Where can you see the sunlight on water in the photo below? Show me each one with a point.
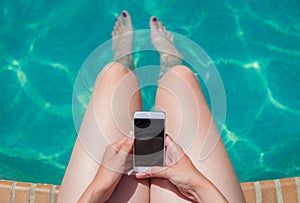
(254, 45)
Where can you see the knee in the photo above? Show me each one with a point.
(113, 71)
(181, 71)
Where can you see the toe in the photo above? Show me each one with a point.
(153, 22)
(116, 23)
(115, 27)
(127, 18)
(170, 36)
(120, 22)
(160, 26)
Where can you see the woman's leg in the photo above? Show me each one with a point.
(108, 118)
(189, 120)
(101, 126)
(190, 123)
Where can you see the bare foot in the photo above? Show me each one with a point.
(122, 39)
(163, 42)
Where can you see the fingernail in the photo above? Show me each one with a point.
(130, 172)
(154, 19)
(124, 14)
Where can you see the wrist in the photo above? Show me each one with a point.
(94, 193)
(102, 188)
(205, 191)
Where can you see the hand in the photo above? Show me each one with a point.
(110, 171)
(181, 172)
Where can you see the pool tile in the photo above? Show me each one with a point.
(56, 191)
(21, 192)
(42, 193)
(289, 190)
(5, 191)
(268, 191)
(249, 191)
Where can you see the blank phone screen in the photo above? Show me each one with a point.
(149, 142)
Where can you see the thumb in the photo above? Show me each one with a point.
(124, 151)
(153, 172)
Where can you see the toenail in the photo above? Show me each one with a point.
(154, 19)
(124, 14)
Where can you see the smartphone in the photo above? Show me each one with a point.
(149, 140)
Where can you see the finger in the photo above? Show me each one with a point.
(123, 153)
(169, 140)
(128, 166)
(171, 144)
(174, 152)
(154, 172)
(131, 135)
(109, 153)
(129, 158)
(127, 146)
(118, 145)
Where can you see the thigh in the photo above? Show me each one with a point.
(107, 119)
(190, 123)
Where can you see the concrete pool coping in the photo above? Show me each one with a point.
(279, 190)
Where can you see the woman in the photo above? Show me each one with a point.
(186, 177)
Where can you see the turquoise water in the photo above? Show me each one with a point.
(254, 45)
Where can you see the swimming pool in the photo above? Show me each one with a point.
(254, 45)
